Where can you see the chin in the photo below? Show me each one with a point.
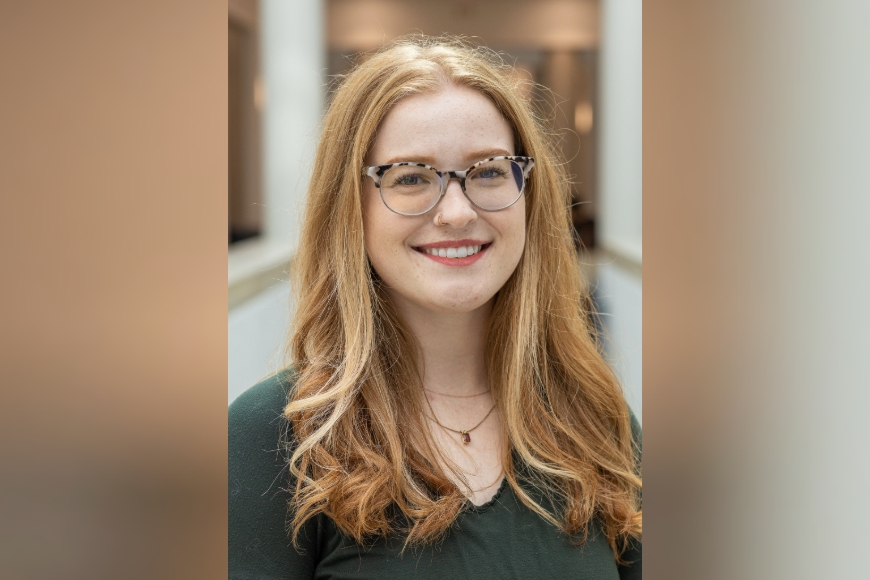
(448, 303)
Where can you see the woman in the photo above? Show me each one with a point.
(448, 413)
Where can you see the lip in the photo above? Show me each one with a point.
(455, 262)
(453, 244)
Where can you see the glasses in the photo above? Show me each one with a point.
(412, 189)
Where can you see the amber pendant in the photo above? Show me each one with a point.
(466, 438)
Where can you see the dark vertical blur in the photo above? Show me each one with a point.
(113, 373)
(243, 121)
(756, 284)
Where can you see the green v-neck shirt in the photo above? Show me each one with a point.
(499, 540)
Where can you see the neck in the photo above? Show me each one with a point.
(452, 345)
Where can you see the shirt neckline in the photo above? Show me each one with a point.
(486, 506)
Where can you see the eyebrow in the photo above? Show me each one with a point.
(478, 155)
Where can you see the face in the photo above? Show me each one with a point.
(450, 129)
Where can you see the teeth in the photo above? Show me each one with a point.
(458, 252)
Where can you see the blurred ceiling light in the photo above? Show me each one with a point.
(583, 117)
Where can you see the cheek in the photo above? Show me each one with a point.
(373, 227)
(384, 235)
(368, 196)
(515, 233)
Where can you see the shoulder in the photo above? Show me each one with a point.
(258, 485)
(256, 420)
(636, 442)
(264, 401)
(636, 433)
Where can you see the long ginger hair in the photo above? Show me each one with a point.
(360, 453)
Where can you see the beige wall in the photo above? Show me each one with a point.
(354, 25)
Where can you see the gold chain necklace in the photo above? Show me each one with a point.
(497, 480)
(463, 433)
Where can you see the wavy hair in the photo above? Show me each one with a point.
(360, 453)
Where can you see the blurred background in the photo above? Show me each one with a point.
(114, 343)
(584, 55)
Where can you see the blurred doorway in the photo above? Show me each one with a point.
(243, 122)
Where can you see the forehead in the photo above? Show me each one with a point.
(446, 126)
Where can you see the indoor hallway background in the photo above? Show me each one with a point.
(283, 57)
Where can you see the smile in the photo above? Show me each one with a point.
(457, 252)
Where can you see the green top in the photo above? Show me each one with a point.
(500, 539)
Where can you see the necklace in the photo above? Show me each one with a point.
(463, 433)
(497, 480)
(456, 396)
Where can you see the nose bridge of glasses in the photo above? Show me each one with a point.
(448, 176)
(448, 204)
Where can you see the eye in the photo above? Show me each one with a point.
(489, 172)
(409, 180)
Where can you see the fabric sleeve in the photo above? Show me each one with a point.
(633, 570)
(259, 545)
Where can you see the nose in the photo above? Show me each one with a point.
(455, 209)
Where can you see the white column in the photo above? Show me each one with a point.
(294, 69)
(293, 53)
(620, 128)
(619, 217)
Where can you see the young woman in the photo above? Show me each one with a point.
(447, 413)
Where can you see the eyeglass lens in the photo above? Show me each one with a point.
(413, 190)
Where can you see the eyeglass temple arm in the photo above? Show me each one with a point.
(528, 164)
(373, 173)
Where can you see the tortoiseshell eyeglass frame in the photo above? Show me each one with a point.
(376, 172)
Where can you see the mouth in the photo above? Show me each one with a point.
(455, 253)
